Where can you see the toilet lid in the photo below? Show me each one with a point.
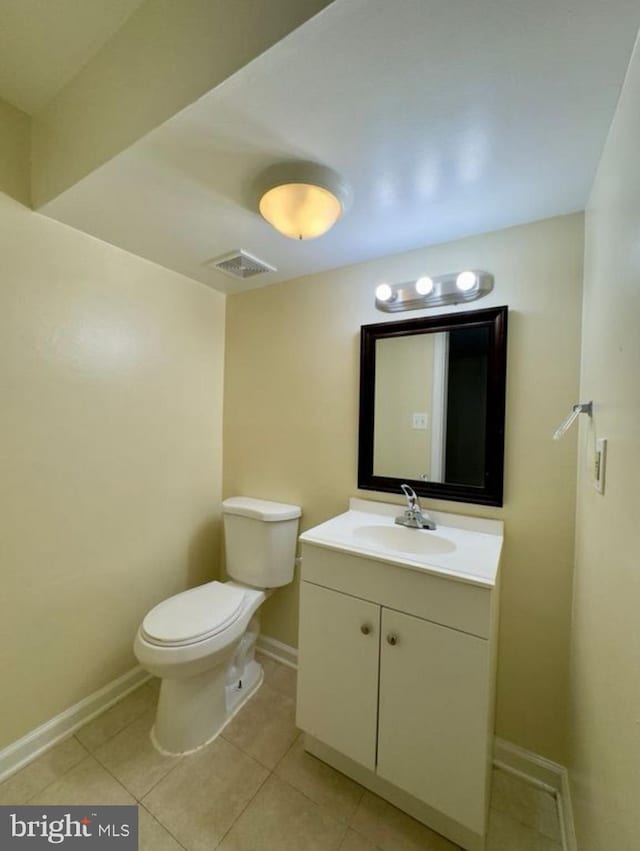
(194, 615)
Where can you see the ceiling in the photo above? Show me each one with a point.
(448, 118)
(43, 43)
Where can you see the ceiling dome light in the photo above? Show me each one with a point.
(424, 285)
(301, 200)
(384, 292)
(466, 281)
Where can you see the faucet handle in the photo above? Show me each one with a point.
(413, 516)
(411, 496)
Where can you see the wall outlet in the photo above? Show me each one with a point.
(420, 421)
(600, 464)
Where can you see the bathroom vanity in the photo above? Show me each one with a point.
(397, 652)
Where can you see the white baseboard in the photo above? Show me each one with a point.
(277, 650)
(565, 809)
(544, 774)
(535, 769)
(35, 743)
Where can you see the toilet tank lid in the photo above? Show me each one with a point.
(260, 509)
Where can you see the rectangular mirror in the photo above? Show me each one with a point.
(432, 400)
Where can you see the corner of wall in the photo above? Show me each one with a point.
(15, 153)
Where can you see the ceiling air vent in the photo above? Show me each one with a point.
(240, 264)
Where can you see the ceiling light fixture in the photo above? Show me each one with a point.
(301, 200)
(454, 288)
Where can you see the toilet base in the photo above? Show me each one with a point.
(190, 715)
(238, 693)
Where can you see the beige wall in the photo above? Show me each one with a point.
(605, 665)
(166, 56)
(15, 163)
(110, 452)
(404, 383)
(290, 433)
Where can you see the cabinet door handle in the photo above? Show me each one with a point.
(392, 639)
(365, 629)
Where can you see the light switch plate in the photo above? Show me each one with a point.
(600, 464)
(420, 421)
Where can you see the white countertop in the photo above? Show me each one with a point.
(476, 543)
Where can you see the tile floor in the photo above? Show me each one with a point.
(254, 788)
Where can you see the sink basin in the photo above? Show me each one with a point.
(404, 540)
(461, 548)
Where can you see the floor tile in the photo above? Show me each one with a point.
(225, 797)
(392, 830)
(133, 760)
(280, 677)
(282, 819)
(507, 834)
(265, 727)
(36, 776)
(152, 835)
(105, 726)
(87, 783)
(355, 842)
(525, 803)
(204, 794)
(338, 794)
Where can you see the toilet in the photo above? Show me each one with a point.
(201, 642)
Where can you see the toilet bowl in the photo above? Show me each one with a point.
(201, 642)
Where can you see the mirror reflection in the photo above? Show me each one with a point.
(431, 406)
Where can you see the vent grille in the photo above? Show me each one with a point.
(240, 264)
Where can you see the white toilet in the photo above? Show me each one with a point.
(201, 642)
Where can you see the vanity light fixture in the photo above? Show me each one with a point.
(466, 281)
(453, 288)
(384, 292)
(301, 200)
(424, 285)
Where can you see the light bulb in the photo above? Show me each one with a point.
(424, 285)
(383, 292)
(466, 281)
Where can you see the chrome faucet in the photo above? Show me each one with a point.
(413, 515)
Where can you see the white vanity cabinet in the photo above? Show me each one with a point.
(433, 715)
(396, 683)
(338, 682)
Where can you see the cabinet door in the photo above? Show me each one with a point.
(434, 716)
(338, 671)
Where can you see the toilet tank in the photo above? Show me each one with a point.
(260, 540)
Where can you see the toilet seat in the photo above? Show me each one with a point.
(194, 615)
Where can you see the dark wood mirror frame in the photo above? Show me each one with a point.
(495, 319)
